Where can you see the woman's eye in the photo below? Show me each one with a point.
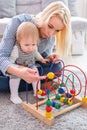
(57, 30)
(50, 26)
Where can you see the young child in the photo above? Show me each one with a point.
(24, 54)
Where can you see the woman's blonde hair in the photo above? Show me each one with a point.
(25, 30)
(63, 38)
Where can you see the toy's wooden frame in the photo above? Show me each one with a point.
(40, 114)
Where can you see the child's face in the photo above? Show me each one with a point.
(28, 45)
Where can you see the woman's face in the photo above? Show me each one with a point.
(54, 25)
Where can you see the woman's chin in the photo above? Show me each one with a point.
(44, 36)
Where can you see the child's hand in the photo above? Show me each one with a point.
(44, 61)
(53, 58)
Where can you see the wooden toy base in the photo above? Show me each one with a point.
(40, 114)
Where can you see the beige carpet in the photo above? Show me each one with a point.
(13, 117)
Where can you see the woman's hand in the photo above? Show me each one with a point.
(53, 57)
(27, 74)
(30, 75)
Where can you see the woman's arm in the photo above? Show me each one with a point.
(27, 74)
(7, 44)
(9, 40)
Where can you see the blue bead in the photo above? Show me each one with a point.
(47, 91)
(61, 90)
(53, 103)
(68, 95)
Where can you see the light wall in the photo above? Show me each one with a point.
(82, 8)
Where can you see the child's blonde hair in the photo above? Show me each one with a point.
(25, 30)
(63, 38)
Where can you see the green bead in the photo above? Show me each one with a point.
(55, 85)
(62, 85)
(58, 96)
(49, 102)
(57, 105)
(65, 100)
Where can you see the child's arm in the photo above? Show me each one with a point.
(40, 58)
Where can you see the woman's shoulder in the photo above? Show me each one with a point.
(23, 17)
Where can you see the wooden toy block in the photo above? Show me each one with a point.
(66, 97)
(41, 114)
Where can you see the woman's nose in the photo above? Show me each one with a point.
(51, 33)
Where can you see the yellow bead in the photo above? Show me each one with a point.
(69, 102)
(62, 99)
(84, 99)
(50, 75)
(39, 92)
(48, 114)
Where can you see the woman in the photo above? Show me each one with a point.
(54, 20)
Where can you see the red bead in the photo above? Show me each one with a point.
(43, 93)
(48, 108)
(73, 91)
(48, 87)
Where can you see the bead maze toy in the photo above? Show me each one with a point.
(62, 94)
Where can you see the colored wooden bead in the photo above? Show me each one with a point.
(48, 108)
(49, 102)
(53, 103)
(61, 90)
(43, 93)
(57, 105)
(73, 91)
(50, 75)
(69, 101)
(58, 96)
(62, 99)
(47, 91)
(84, 99)
(48, 87)
(52, 88)
(39, 92)
(48, 114)
(68, 95)
(56, 85)
(62, 85)
(65, 100)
